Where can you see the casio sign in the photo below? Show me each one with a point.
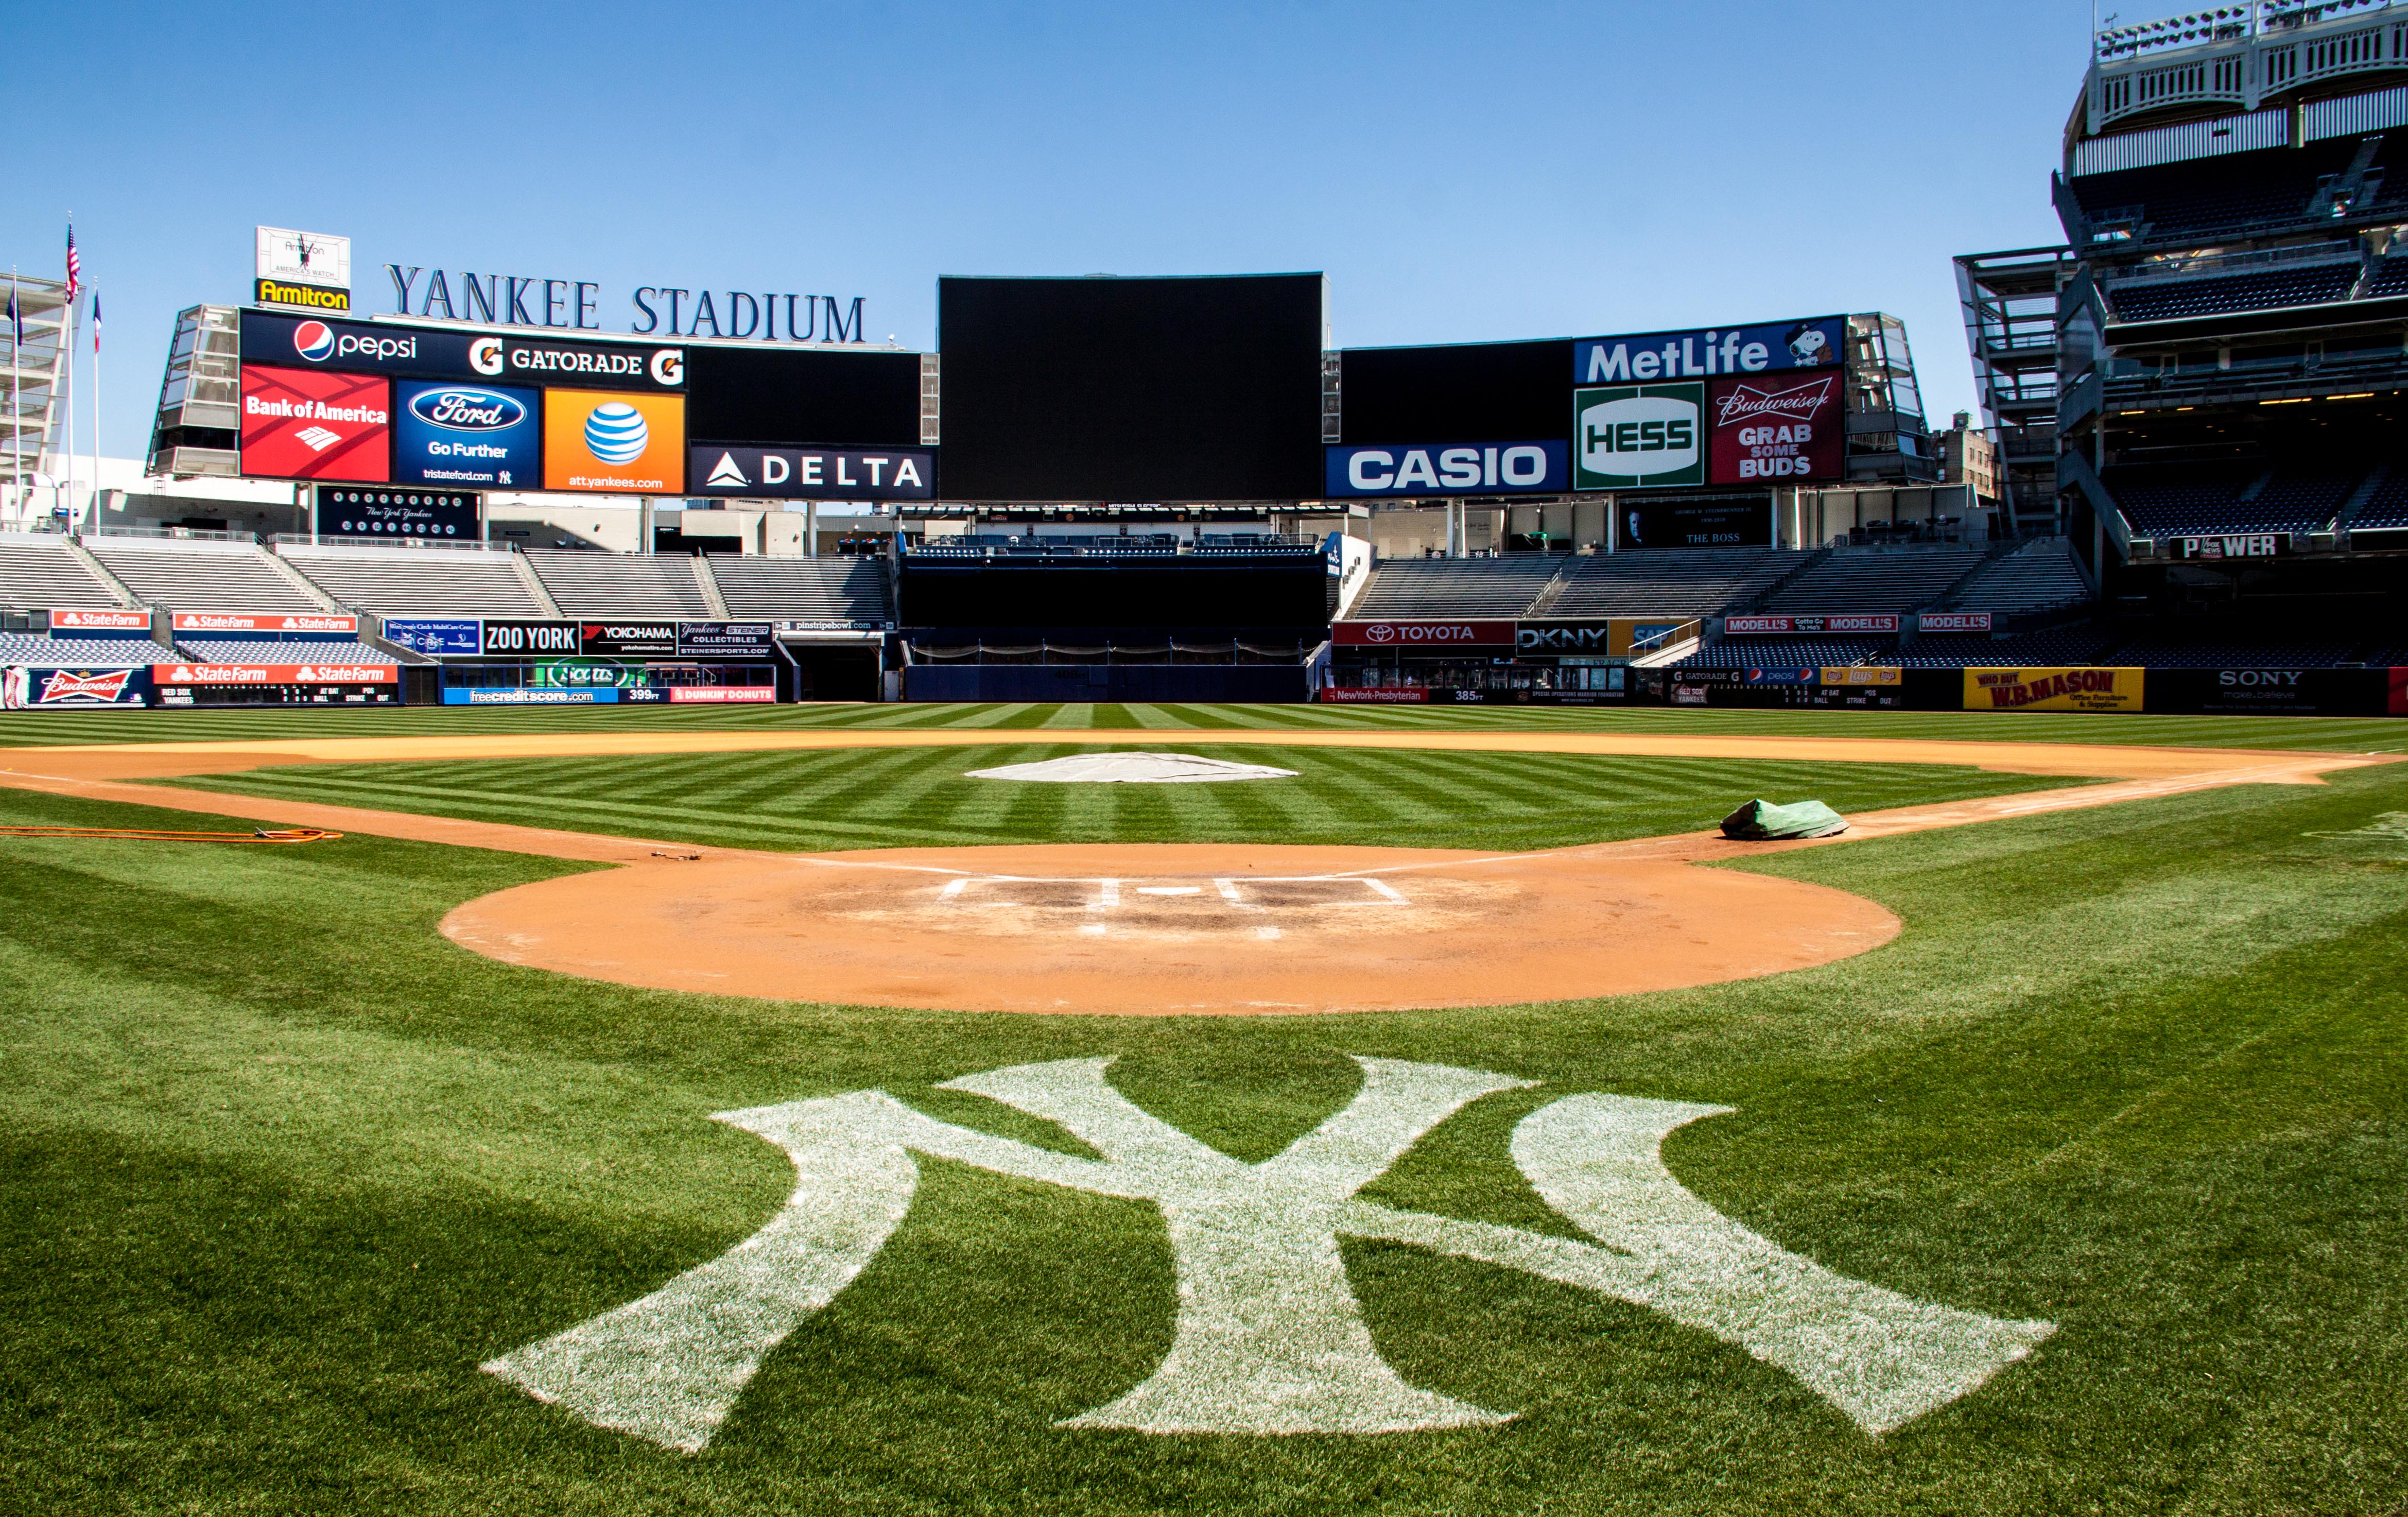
(463, 409)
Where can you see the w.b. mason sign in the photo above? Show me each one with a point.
(1269, 1338)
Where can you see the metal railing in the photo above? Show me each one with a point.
(321, 539)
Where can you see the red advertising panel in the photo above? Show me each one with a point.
(1774, 427)
(100, 620)
(275, 674)
(1423, 634)
(2399, 702)
(1737, 625)
(263, 621)
(308, 425)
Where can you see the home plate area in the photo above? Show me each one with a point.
(1171, 930)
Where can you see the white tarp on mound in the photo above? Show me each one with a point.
(1132, 769)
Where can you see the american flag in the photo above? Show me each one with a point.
(75, 265)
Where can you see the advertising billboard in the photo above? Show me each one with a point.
(620, 639)
(282, 623)
(486, 437)
(309, 270)
(509, 637)
(1641, 435)
(353, 511)
(1954, 622)
(1810, 625)
(616, 441)
(724, 639)
(1471, 392)
(811, 473)
(442, 352)
(1764, 348)
(1439, 468)
(274, 674)
(23, 688)
(1423, 634)
(301, 425)
(2055, 690)
(436, 634)
(1793, 427)
(1718, 523)
(100, 621)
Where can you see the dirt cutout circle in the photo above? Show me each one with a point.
(1204, 929)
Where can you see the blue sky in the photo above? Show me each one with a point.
(1462, 173)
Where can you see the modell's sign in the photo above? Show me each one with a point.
(65, 621)
(1423, 634)
(1744, 625)
(265, 622)
(274, 674)
(1953, 621)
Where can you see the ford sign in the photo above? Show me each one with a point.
(459, 409)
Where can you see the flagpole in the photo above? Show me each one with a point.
(91, 510)
(15, 399)
(66, 382)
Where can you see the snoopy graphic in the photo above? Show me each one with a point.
(1807, 346)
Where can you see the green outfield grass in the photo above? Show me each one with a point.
(2346, 735)
(284, 1166)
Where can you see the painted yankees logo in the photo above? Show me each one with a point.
(1269, 1338)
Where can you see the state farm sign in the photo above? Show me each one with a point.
(274, 674)
(1423, 634)
(95, 620)
(1740, 625)
(265, 622)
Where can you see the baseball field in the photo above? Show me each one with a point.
(732, 1111)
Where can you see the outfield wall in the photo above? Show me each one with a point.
(1237, 683)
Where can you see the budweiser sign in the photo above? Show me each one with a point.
(1423, 634)
(1749, 403)
(274, 674)
(265, 622)
(71, 687)
(135, 620)
(1745, 625)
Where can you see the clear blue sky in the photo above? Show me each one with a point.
(1461, 172)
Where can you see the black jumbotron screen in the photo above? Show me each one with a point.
(1131, 390)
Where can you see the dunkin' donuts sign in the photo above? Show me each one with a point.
(1423, 634)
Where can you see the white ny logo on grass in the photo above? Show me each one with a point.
(1269, 1338)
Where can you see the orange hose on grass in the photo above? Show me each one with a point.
(260, 835)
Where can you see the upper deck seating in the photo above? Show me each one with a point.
(200, 575)
(1878, 580)
(803, 589)
(38, 571)
(403, 582)
(620, 584)
(1406, 588)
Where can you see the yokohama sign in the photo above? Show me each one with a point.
(1741, 625)
(1423, 634)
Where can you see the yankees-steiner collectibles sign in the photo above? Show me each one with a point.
(1269, 1338)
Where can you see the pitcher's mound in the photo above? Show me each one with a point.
(1213, 929)
(1133, 769)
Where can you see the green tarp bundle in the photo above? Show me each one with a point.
(1762, 820)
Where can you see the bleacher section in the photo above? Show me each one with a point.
(617, 584)
(37, 572)
(2040, 576)
(1788, 652)
(79, 652)
(230, 651)
(2038, 650)
(803, 589)
(1682, 581)
(2172, 500)
(2390, 276)
(2158, 300)
(1421, 587)
(2159, 653)
(401, 581)
(199, 576)
(2196, 201)
(2389, 506)
(1878, 578)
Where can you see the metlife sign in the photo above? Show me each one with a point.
(1435, 469)
(714, 468)
(438, 352)
(1700, 352)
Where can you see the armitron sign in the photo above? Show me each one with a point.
(1423, 634)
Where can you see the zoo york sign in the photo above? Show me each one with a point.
(1269, 1338)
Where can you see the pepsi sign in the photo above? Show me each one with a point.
(1434, 468)
(355, 347)
(468, 436)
